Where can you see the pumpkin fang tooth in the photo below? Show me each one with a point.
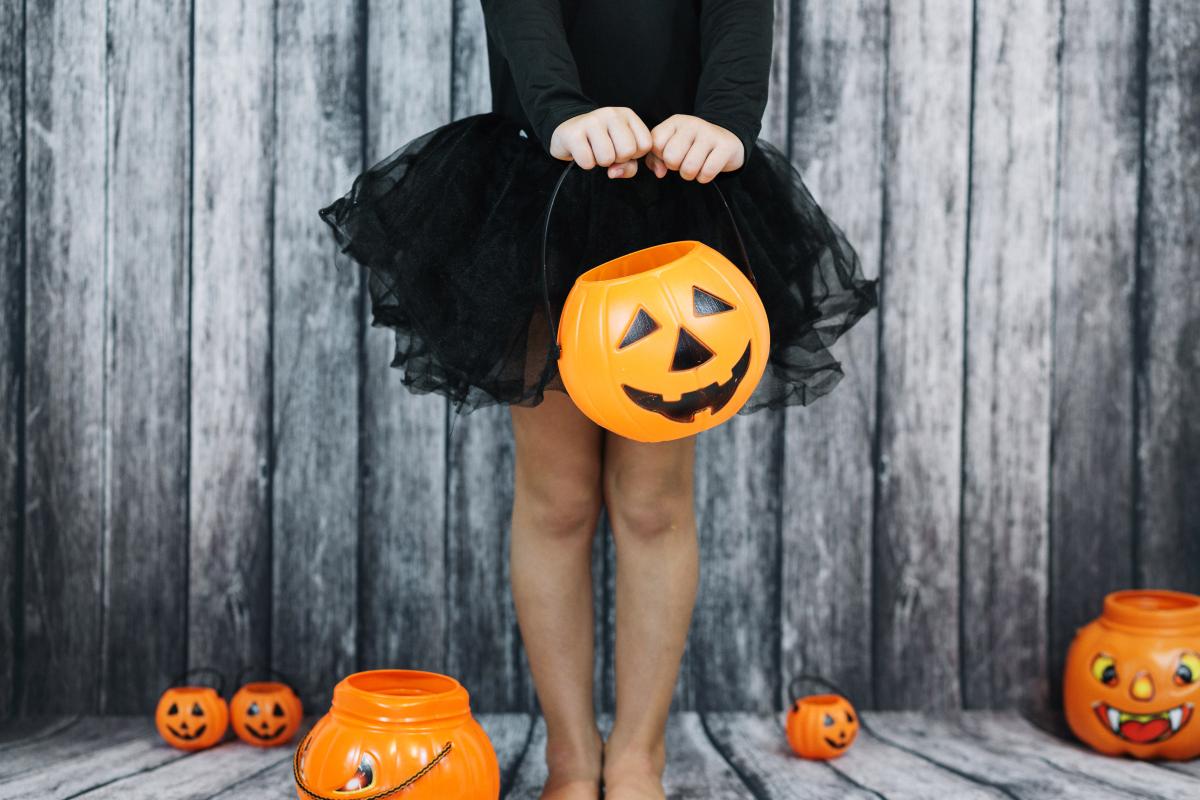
(1114, 719)
(1175, 715)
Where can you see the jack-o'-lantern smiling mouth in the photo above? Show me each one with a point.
(187, 737)
(835, 745)
(1143, 728)
(713, 397)
(265, 736)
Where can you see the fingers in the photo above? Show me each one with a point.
(624, 143)
(694, 158)
(603, 151)
(626, 169)
(716, 163)
(677, 146)
(656, 165)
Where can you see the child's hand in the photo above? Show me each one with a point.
(698, 150)
(612, 137)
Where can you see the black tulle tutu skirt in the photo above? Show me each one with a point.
(450, 229)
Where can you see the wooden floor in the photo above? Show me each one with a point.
(906, 755)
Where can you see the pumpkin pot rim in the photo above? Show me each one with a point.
(1144, 610)
(399, 697)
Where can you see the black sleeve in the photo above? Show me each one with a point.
(735, 51)
(529, 34)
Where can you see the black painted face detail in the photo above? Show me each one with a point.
(184, 733)
(642, 326)
(265, 734)
(714, 396)
(690, 352)
(705, 304)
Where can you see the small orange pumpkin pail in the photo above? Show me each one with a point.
(191, 716)
(821, 726)
(392, 731)
(1132, 678)
(265, 713)
(663, 342)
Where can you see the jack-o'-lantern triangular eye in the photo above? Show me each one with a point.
(704, 304)
(642, 326)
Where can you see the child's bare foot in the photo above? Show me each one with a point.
(633, 775)
(574, 774)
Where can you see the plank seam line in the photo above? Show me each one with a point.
(751, 782)
(272, 439)
(876, 605)
(100, 675)
(20, 357)
(976, 779)
(1137, 320)
(963, 444)
(1075, 775)
(509, 777)
(128, 775)
(191, 327)
(363, 13)
(863, 787)
(1050, 598)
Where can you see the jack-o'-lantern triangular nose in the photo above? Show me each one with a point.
(690, 352)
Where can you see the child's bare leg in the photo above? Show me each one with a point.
(648, 493)
(556, 505)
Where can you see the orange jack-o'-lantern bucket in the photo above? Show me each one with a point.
(663, 342)
(1132, 680)
(191, 716)
(397, 731)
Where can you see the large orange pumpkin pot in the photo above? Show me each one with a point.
(663, 342)
(1132, 677)
(397, 733)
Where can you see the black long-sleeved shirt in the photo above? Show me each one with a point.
(550, 60)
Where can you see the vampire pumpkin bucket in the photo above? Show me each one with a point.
(663, 342)
(397, 731)
(1132, 679)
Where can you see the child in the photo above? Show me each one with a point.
(652, 100)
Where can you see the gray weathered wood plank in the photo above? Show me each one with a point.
(732, 655)
(402, 585)
(146, 375)
(12, 337)
(828, 466)
(951, 741)
(82, 737)
(20, 731)
(1168, 378)
(315, 333)
(1008, 354)
(694, 768)
(191, 776)
(70, 765)
(229, 579)
(485, 653)
(757, 745)
(916, 554)
(1012, 734)
(732, 658)
(756, 748)
(1091, 505)
(65, 119)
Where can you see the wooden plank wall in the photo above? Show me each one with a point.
(205, 459)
